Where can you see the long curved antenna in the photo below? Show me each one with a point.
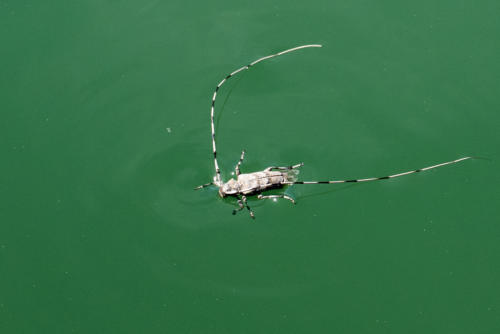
(217, 178)
(383, 177)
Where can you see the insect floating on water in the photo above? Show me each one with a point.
(274, 176)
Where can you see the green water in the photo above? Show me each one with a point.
(105, 132)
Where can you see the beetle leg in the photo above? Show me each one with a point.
(204, 185)
(276, 196)
(244, 199)
(240, 203)
(237, 169)
(284, 168)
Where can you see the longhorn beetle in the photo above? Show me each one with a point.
(274, 176)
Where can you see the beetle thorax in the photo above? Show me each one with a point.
(231, 187)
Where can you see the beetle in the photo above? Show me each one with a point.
(273, 177)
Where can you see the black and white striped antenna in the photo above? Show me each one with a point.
(383, 177)
(218, 179)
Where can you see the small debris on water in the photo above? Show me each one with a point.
(169, 130)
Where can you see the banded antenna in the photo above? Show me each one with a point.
(382, 177)
(218, 179)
